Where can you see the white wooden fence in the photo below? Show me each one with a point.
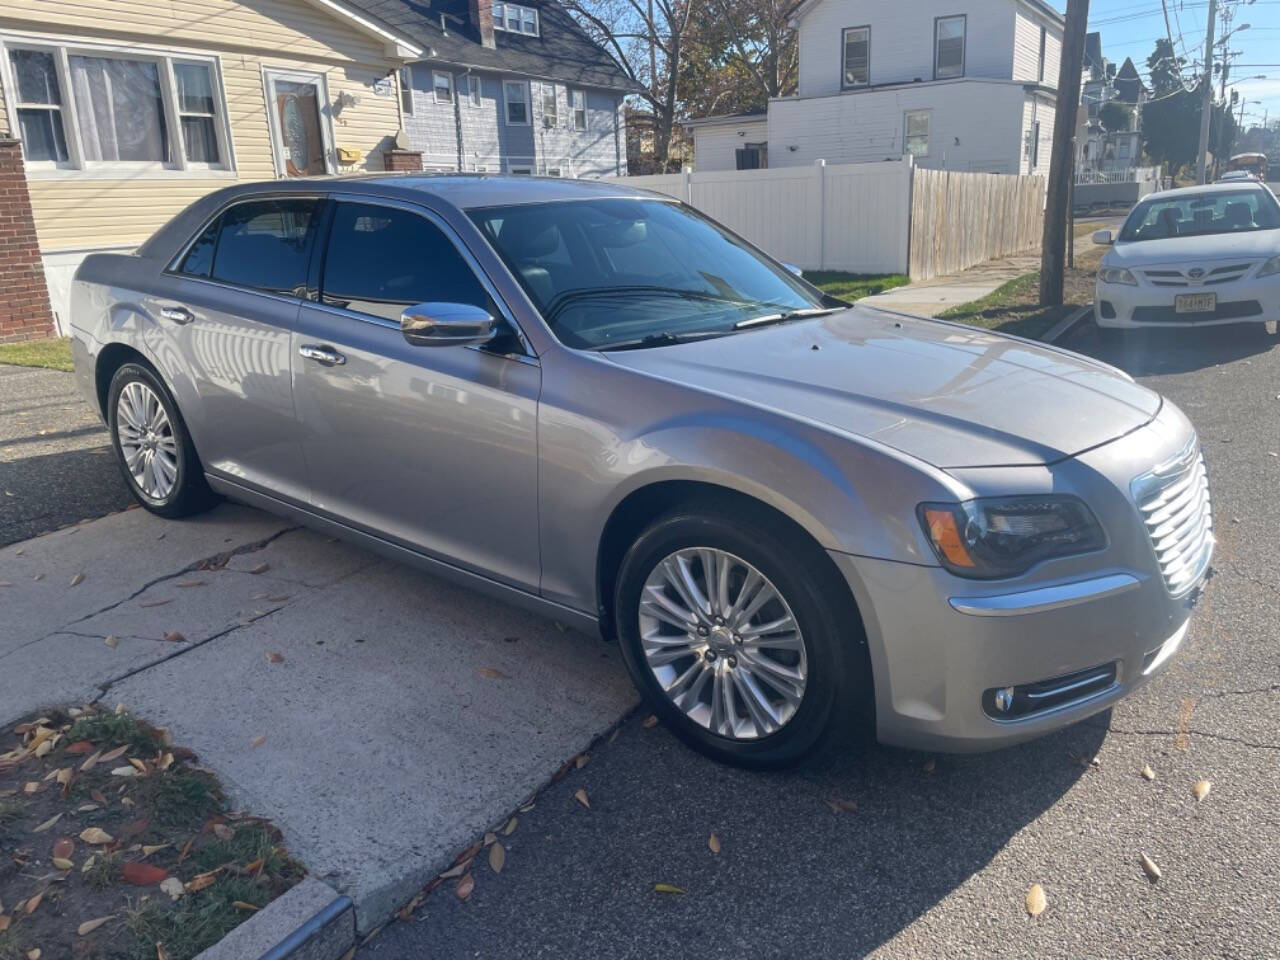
(853, 217)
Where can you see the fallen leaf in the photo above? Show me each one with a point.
(165, 761)
(581, 796)
(161, 952)
(155, 603)
(88, 864)
(258, 741)
(614, 735)
(35, 953)
(62, 863)
(241, 905)
(668, 888)
(465, 886)
(129, 771)
(581, 761)
(99, 796)
(842, 806)
(1149, 867)
(650, 721)
(173, 887)
(89, 926)
(113, 754)
(77, 580)
(714, 843)
(95, 836)
(31, 786)
(490, 673)
(273, 657)
(223, 832)
(187, 584)
(1036, 901)
(143, 874)
(79, 748)
(48, 823)
(29, 907)
(4, 922)
(86, 808)
(173, 636)
(277, 599)
(149, 849)
(260, 568)
(497, 858)
(64, 847)
(91, 761)
(138, 765)
(201, 881)
(456, 870)
(1200, 789)
(1148, 773)
(510, 828)
(45, 747)
(254, 867)
(525, 808)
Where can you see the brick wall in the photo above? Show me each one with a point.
(24, 299)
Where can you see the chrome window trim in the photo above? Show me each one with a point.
(1042, 599)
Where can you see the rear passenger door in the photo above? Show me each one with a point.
(225, 311)
(434, 448)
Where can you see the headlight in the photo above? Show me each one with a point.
(1005, 536)
(1270, 267)
(1117, 275)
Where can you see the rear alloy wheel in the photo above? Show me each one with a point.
(737, 635)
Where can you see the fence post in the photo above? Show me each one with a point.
(821, 173)
(688, 186)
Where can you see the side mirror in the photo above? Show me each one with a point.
(792, 268)
(1103, 238)
(446, 325)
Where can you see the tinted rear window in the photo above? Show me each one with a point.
(264, 244)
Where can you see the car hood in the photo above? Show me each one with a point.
(950, 395)
(1253, 244)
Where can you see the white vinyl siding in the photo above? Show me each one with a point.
(715, 146)
(1026, 49)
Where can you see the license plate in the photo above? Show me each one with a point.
(1195, 303)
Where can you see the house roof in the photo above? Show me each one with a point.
(561, 51)
(398, 44)
(1040, 6)
(750, 116)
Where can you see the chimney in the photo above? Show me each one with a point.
(481, 12)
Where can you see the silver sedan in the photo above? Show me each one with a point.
(792, 514)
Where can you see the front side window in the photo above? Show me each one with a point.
(857, 57)
(613, 273)
(443, 85)
(550, 105)
(39, 106)
(381, 260)
(197, 113)
(948, 37)
(1202, 214)
(916, 127)
(516, 94)
(263, 244)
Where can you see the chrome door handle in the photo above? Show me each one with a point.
(177, 314)
(321, 354)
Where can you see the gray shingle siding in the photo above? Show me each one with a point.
(488, 141)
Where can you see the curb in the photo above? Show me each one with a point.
(309, 922)
(1067, 324)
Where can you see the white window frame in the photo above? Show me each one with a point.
(520, 167)
(76, 166)
(436, 76)
(964, 44)
(506, 104)
(577, 97)
(404, 78)
(524, 15)
(844, 54)
(550, 119)
(475, 92)
(272, 74)
(906, 135)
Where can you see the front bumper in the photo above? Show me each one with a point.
(1138, 307)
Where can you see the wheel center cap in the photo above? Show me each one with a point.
(721, 640)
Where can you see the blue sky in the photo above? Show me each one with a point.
(1129, 28)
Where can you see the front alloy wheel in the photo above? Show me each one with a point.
(722, 643)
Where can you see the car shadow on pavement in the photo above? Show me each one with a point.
(830, 860)
(1165, 351)
(50, 491)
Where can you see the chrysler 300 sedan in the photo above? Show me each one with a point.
(790, 513)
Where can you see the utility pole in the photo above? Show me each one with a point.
(1206, 94)
(1053, 243)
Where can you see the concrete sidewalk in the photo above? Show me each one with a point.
(407, 716)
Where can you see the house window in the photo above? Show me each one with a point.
(1123, 149)
(550, 107)
(515, 18)
(39, 106)
(857, 57)
(752, 156)
(578, 105)
(554, 172)
(406, 91)
(1035, 145)
(516, 94)
(916, 133)
(79, 109)
(948, 42)
(442, 83)
(197, 113)
(1044, 41)
(473, 91)
(522, 169)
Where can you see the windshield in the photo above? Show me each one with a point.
(1202, 214)
(620, 272)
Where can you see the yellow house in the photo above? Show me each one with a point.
(127, 110)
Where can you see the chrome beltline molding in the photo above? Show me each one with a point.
(1045, 598)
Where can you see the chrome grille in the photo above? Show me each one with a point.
(1174, 502)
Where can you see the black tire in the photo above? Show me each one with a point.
(838, 687)
(190, 493)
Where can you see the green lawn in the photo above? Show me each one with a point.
(854, 286)
(51, 354)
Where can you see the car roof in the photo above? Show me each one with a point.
(1234, 186)
(463, 190)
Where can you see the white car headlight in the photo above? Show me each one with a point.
(1270, 267)
(1117, 275)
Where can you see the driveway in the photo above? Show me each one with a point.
(937, 859)
(56, 464)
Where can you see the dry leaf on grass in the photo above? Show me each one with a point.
(112, 754)
(173, 887)
(714, 843)
(95, 836)
(273, 657)
(138, 765)
(1149, 867)
(129, 771)
(1148, 773)
(465, 886)
(581, 796)
(35, 954)
(62, 863)
(242, 905)
(489, 839)
(510, 828)
(161, 952)
(48, 823)
(1200, 789)
(29, 906)
(143, 874)
(1036, 901)
(200, 881)
(668, 888)
(497, 857)
(4, 922)
(223, 832)
(457, 870)
(64, 847)
(89, 926)
(650, 721)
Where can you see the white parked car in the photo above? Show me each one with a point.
(1198, 256)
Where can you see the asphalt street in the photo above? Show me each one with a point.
(938, 857)
(56, 464)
